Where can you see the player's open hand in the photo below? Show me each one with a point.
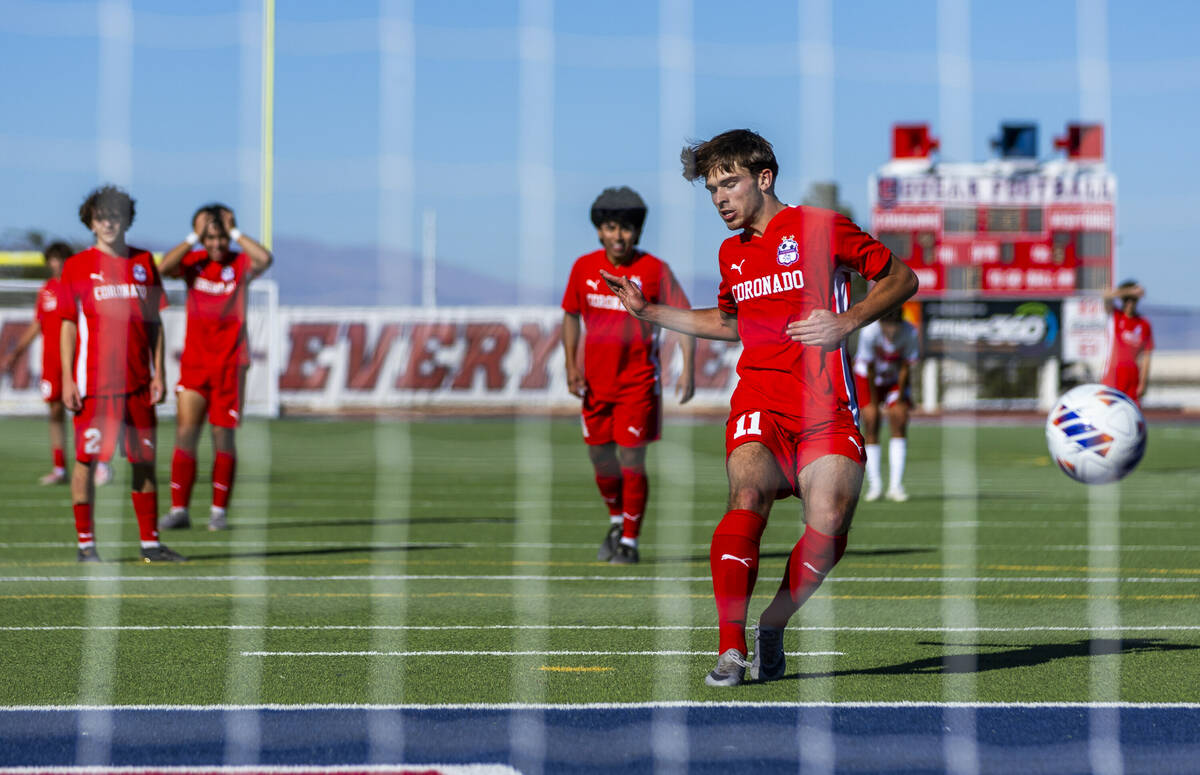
(821, 329)
(576, 382)
(157, 392)
(685, 388)
(227, 220)
(200, 223)
(70, 395)
(627, 291)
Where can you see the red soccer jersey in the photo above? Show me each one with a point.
(800, 264)
(1128, 338)
(216, 310)
(50, 322)
(115, 303)
(620, 352)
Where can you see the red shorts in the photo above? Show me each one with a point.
(890, 392)
(792, 444)
(1125, 379)
(51, 378)
(221, 388)
(629, 422)
(105, 420)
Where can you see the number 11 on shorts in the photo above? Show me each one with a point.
(747, 424)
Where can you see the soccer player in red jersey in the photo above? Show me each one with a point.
(212, 374)
(45, 324)
(792, 424)
(619, 381)
(111, 343)
(887, 351)
(1131, 342)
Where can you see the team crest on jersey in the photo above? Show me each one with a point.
(227, 273)
(789, 251)
(139, 273)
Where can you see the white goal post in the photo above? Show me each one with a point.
(19, 389)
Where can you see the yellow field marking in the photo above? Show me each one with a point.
(560, 669)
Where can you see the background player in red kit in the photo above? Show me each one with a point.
(620, 382)
(112, 364)
(212, 372)
(46, 323)
(792, 426)
(1130, 342)
(883, 363)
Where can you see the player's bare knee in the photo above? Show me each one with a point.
(143, 478)
(631, 457)
(602, 453)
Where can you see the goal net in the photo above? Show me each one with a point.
(19, 388)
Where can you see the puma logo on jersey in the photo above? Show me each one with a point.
(593, 284)
(737, 266)
(635, 431)
(97, 276)
(743, 560)
(814, 570)
(857, 446)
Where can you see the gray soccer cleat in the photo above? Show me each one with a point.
(769, 662)
(731, 667)
(161, 553)
(88, 554)
(625, 555)
(611, 539)
(174, 519)
(217, 521)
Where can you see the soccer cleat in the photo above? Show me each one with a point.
(161, 553)
(217, 521)
(103, 474)
(611, 539)
(54, 477)
(625, 555)
(873, 493)
(731, 667)
(88, 554)
(769, 662)
(174, 519)
(897, 494)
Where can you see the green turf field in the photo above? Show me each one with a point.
(453, 562)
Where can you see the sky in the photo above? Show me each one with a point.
(506, 118)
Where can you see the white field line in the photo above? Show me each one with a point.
(588, 627)
(707, 653)
(155, 579)
(491, 545)
(516, 706)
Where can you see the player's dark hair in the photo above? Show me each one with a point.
(214, 210)
(728, 151)
(107, 199)
(1130, 283)
(59, 249)
(621, 205)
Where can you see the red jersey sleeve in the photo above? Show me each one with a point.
(1149, 337)
(725, 301)
(570, 301)
(855, 248)
(670, 291)
(65, 308)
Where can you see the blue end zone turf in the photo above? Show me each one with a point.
(709, 738)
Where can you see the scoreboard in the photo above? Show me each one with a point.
(1011, 227)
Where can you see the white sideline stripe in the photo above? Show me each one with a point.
(589, 627)
(901, 705)
(708, 653)
(690, 579)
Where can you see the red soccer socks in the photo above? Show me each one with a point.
(145, 507)
(183, 476)
(813, 556)
(83, 524)
(608, 481)
(733, 557)
(224, 467)
(635, 490)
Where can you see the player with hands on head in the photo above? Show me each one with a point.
(619, 381)
(46, 324)
(216, 354)
(111, 347)
(1131, 341)
(883, 364)
(792, 427)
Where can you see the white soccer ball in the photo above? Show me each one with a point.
(1096, 434)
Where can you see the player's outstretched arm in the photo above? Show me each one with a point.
(827, 330)
(686, 387)
(708, 323)
(260, 258)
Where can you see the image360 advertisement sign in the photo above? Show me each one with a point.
(1024, 329)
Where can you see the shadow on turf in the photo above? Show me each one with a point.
(1015, 656)
(311, 552)
(784, 555)
(282, 524)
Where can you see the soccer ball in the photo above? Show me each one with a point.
(1096, 434)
